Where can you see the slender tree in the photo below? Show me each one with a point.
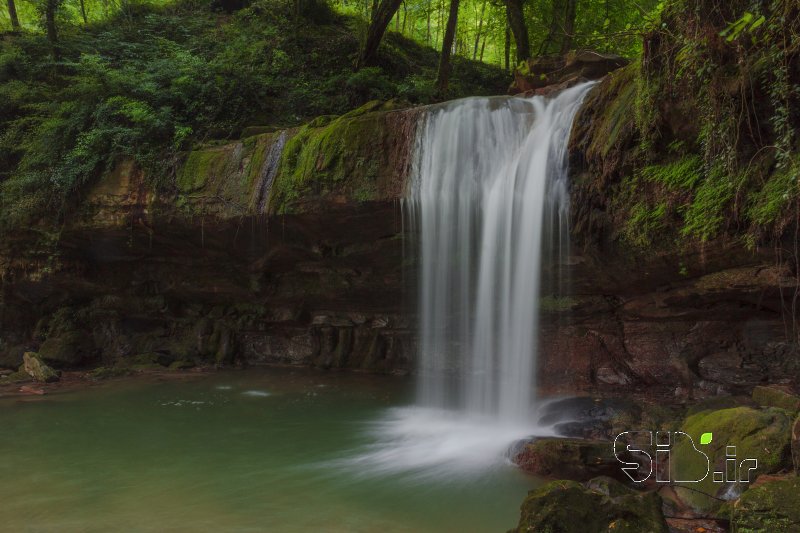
(516, 20)
(83, 11)
(478, 31)
(50, 8)
(570, 12)
(381, 17)
(507, 49)
(12, 14)
(443, 76)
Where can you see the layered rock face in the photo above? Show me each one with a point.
(284, 247)
(288, 247)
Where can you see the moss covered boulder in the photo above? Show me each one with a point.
(574, 459)
(37, 369)
(68, 349)
(775, 396)
(600, 505)
(773, 506)
(761, 434)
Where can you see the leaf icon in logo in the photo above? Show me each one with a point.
(705, 438)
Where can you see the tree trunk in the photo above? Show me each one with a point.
(516, 20)
(83, 12)
(381, 17)
(443, 77)
(508, 47)
(12, 14)
(483, 47)
(570, 11)
(478, 33)
(50, 23)
(428, 30)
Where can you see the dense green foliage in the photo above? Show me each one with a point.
(606, 25)
(717, 120)
(151, 80)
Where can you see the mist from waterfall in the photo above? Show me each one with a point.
(490, 202)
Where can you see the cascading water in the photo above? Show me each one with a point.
(489, 201)
(489, 195)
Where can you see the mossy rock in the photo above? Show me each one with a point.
(108, 372)
(151, 358)
(17, 377)
(33, 365)
(181, 365)
(761, 434)
(773, 506)
(605, 505)
(575, 459)
(772, 396)
(69, 349)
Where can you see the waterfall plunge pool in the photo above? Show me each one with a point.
(263, 450)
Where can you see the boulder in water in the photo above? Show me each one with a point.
(37, 369)
(602, 504)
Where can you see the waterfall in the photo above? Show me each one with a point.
(489, 199)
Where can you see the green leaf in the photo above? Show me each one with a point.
(705, 438)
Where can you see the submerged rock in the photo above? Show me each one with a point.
(37, 369)
(773, 506)
(600, 505)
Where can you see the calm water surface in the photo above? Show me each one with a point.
(260, 450)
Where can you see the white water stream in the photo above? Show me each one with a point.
(489, 200)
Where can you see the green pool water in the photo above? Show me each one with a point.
(256, 450)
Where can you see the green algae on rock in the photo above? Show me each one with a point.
(761, 434)
(37, 369)
(600, 505)
(773, 506)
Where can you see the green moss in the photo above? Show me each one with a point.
(773, 507)
(644, 223)
(556, 303)
(710, 208)
(199, 167)
(327, 155)
(685, 173)
(769, 205)
(760, 434)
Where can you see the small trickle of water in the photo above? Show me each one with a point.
(268, 172)
(489, 198)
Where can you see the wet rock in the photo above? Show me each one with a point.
(37, 369)
(776, 396)
(69, 349)
(600, 505)
(181, 365)
(773, 506)
(574, 459)
(17, 377)
(540, 72)
(761, 434)
(106, 372)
